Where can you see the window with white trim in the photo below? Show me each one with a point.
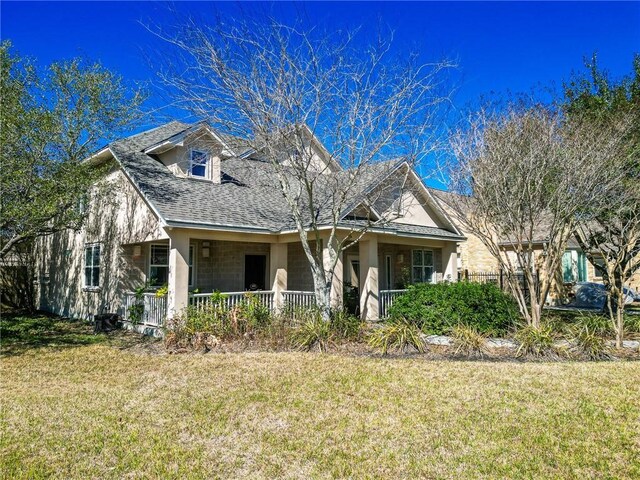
(158, 265)
(92, 265)
(422, 266)
(199, 164)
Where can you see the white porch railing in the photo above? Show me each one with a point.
(152, 313)
(231, 299)
(298, 299)
(385, 300)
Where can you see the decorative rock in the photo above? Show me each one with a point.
(500, 343)
(438, 340)
(631, 344)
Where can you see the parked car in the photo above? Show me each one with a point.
(594, 295)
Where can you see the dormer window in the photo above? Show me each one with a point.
(199, 164)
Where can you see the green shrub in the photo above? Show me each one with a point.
(252, 313)
(594, 323)
(468, 341)
(436, 308)
(345, 326)
(535, 342)
(311, 332)
(591, 344)
(632, 323)
(397, 334)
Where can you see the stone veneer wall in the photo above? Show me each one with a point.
(475, 257)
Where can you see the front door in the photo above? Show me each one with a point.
(255, 272)
(352, 285)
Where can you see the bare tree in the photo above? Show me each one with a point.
(609, 231)
(524, 176)
(610, 238)
(280, 87)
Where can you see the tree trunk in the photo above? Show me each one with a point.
(619, 306)
(322, 290)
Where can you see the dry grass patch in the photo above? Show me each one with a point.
(94, 411)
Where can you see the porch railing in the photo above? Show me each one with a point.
(385, 300)
(232, 299)
(152, 313)
(298, 299)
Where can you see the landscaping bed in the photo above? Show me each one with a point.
(76, 405)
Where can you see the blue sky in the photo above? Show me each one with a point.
(499, 46)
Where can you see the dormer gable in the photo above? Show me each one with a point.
(196, 153)
(400, 197)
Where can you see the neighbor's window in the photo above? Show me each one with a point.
(198, 164)
(159, 265)
(422, 266)
(92, 265)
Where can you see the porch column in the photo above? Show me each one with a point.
(450, 261)
(369, 278)
(178, 295)
(278, 272)
(337, 280)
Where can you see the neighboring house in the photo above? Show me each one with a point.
(474, 256)
(197, 212)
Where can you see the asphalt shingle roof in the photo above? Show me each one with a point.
(247, 197)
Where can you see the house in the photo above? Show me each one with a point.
(186, 208)
(475, 258)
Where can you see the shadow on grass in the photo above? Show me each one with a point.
(22, 332)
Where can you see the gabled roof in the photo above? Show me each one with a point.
(246, 199)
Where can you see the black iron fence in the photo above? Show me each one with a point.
(500, 279)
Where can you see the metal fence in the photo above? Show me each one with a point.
(501, 280)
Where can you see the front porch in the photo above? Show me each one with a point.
(372, 273)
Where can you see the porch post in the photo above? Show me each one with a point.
(450, 261)
(337, 279)
(369, 278)
(278, 272)
(178, 295)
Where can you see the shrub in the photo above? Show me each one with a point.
(535, 342)
(205, 324)
(345, 326)
(468, 341)
(311, 332)
(397, 334)
(591, 344)
(436, 308)
(594, 323)
(632, 323)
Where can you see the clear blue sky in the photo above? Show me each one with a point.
(499, 46)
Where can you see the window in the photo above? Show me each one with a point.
(198, 164)
(422, 266)
(159, 265)
(92, 266)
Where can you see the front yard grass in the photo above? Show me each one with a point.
(91, 407)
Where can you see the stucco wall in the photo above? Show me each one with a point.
(117, 216)
(178, 158)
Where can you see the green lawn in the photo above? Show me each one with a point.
(81, 406)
